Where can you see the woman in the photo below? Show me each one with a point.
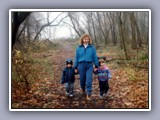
(84, 59)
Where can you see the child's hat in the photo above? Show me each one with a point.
(102, 57)
(69, 61)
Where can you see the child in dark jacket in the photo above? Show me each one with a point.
(68, 77)
(104, 75)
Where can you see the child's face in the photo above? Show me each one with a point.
(86, 40)
(69, 65)
(102, 62)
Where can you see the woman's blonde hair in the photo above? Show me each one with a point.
(83, 36)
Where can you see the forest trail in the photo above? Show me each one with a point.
(49, 93)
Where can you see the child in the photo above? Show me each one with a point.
(68, 77)
(103, 76)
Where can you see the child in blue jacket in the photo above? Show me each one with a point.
(68, 77)
(104, 75)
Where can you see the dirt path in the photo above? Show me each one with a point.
(57, 91)
(120, 87)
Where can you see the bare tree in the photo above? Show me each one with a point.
(112, 24)
(91, 27)
(104, 31)
(134, 28)
(94, 31)
(121, 32)
(17, 20)
(48, 23)
(70, 14)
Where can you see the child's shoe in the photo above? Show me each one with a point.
(106, 94)
(67, 94)
(71, 95)
(101, 96)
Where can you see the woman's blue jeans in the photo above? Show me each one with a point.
(86, 70)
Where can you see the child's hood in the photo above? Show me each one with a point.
(104, 67)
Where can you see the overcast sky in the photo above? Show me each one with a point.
(61, 31)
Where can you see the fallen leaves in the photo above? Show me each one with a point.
(128, 86)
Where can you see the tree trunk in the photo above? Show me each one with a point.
(138, 32)
(100, 26)
(112, 26)
(94, 32)
(133, 27)
(28, 32)
(18, 18)
(121, 32)
(74, 27)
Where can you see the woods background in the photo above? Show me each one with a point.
(38, 57)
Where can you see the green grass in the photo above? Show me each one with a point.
(43, 65)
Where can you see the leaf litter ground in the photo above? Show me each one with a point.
(47, 92)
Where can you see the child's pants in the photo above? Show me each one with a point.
(104, 87)
(86, 70)
(69, 87)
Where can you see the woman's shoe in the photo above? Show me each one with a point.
(88, 97)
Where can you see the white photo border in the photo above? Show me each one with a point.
(79, 10)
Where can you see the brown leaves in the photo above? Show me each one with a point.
(128, 86)
(131, 86)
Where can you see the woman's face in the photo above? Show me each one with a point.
(86, 40)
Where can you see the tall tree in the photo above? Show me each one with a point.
(121, 32)
(17, 20)
(112, 26)
(49, 23)
(133, 27)
(94, 31)
(73, 23)
(99, 20)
